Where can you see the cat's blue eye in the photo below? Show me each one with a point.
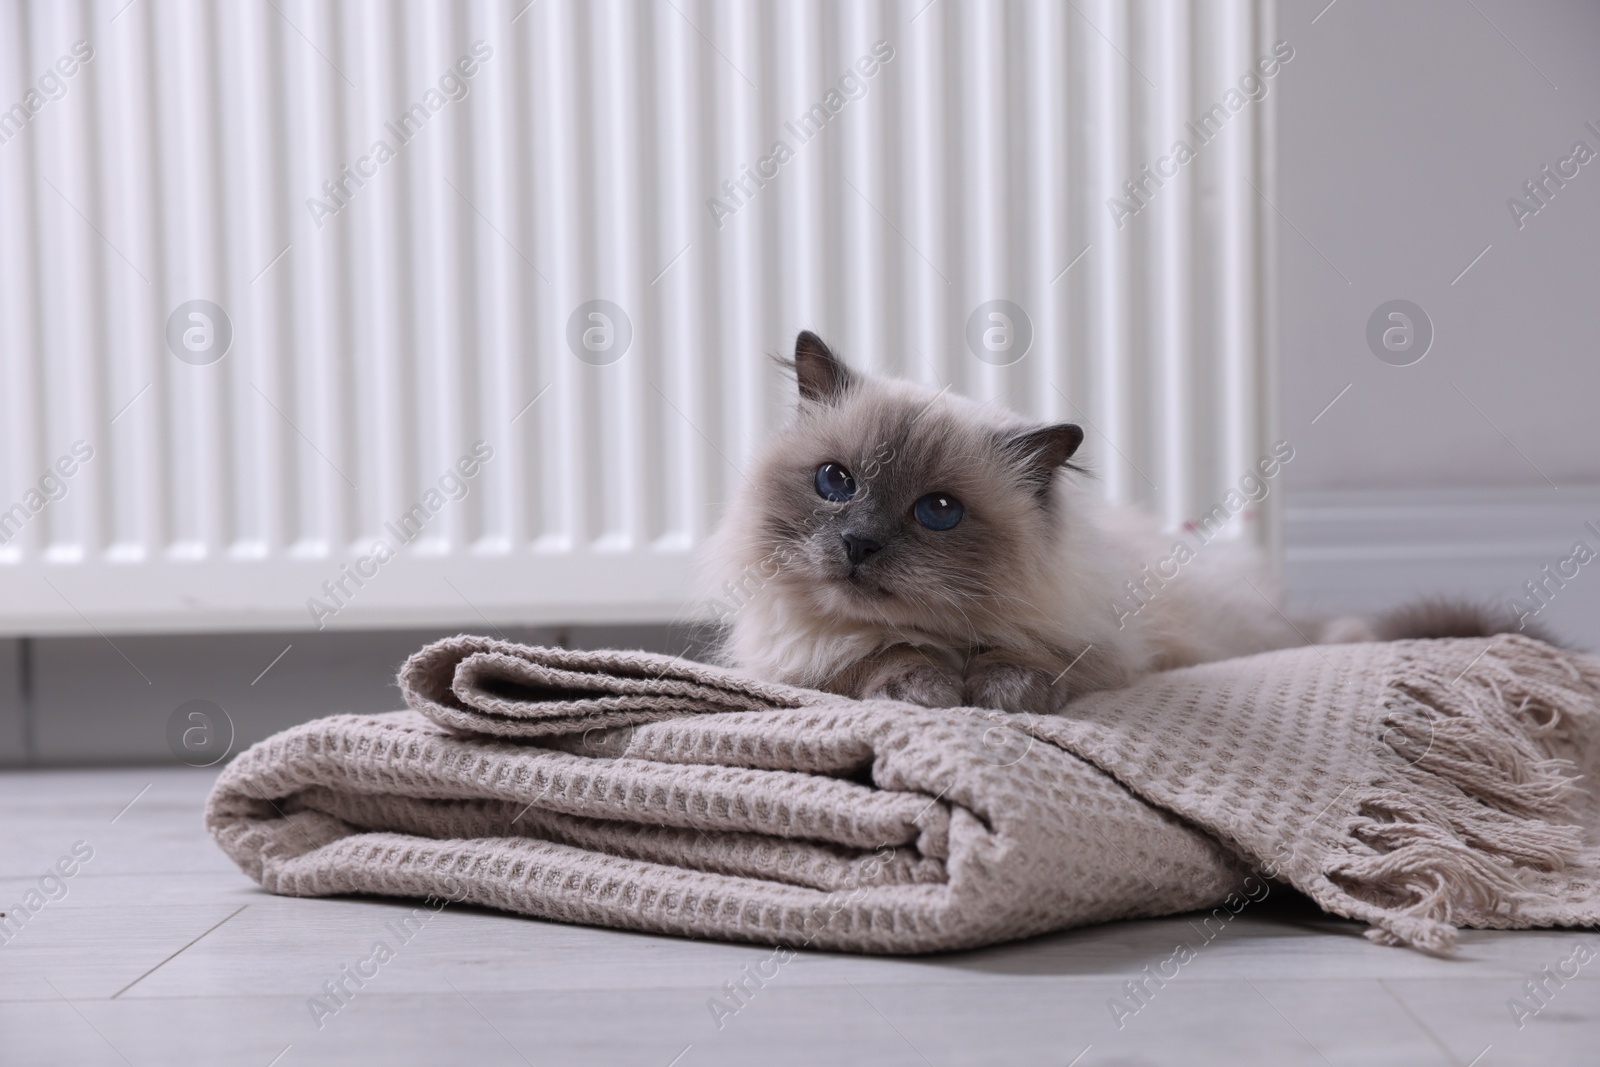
(938, 511)
(834, 483)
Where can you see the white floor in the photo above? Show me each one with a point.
(161, 952)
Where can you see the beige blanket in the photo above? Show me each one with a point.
(1417, 786)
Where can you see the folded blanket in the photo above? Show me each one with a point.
(1417, 786)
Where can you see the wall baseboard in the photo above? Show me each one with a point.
(111, 700)
(1363, 551)
(87, 700)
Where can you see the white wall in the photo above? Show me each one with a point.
(1403, 130)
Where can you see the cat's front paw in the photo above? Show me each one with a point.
(1009, 687)
(915, 682)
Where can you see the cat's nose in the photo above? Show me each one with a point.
(858, 546)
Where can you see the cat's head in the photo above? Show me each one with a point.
(883, 502)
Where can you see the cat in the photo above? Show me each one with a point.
(895, 542)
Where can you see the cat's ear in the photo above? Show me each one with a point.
(1038, 453)
(822, 375)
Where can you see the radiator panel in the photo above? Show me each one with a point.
(387, 316)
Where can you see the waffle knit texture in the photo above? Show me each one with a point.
(1417, 786)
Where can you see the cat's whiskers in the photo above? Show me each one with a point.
(944, 600)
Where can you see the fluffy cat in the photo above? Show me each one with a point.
(890, 541)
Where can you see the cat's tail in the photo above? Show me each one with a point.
(1434, 617)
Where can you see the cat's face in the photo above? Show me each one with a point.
(886, 503)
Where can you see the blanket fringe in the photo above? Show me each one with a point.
(1476, 796)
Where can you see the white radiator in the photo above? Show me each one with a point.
(576, 247)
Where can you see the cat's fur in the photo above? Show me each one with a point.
(1012, 608)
